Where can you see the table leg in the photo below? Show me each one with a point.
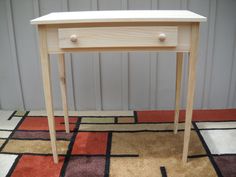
(62, 74)
(45, 63)
(179, 63)
(191, 88)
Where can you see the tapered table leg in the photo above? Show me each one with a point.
(45, 63)
(191, 88)
(179, 63)
(62, 75)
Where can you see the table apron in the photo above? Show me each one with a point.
(183, 41)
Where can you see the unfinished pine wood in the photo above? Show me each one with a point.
(120, 16)
(179, 65)
(183, 38)
(114, 31)
(191, 88)
(45, 63)
(62, 78)
(138, 36)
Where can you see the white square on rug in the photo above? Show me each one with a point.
(6, 124)
(220, 141)
(4, 134)
(6, 162)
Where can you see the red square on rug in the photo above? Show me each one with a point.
(157, 116)
(198, 115)
(88, 143)
(41, 123)
(37, 166)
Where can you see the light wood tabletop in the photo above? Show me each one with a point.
(120, 16)
(133, 30)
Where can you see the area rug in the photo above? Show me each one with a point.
(118, 144)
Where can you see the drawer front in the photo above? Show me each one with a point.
(96, 37)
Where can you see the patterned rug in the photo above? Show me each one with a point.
(118, 144)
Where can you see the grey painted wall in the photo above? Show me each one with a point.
(123, 80)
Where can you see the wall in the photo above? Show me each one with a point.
(135, 80)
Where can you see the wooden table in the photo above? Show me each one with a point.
(142, 30)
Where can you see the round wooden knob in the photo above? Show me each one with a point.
(73, 38)
(162, 37)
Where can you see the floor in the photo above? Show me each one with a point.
(118, 144)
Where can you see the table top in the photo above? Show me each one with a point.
(120, 16)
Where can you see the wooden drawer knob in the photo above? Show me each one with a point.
(162, 37)
(73, 38)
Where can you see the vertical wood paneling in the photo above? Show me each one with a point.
(84, 80)
(153, 69)
(201, 7)
(120, 80)
(125, 69)
(153, 81)
(44, 8)
(29, 65)
(111, 80)
(223, 55)
(232, 87)
(169, 4)
(86, 68)
(139, 68)
(139, 83)
(109, 4)
(125, 80)
(69, 70)
(97, 81)
(210, 51)
(10, 90)
(139, 4)
(97, 69)
(184, 6)
(111, 76)
(166, 77)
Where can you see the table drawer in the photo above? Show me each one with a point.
(135, 36)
